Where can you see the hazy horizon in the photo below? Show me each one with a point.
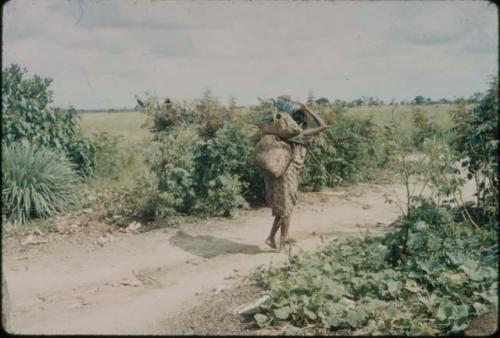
(101, 54)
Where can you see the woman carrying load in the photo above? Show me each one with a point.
(281, 192)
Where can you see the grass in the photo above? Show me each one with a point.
(124, 124)
(439, 113)
(128, 124)
(37, 182)
(122, 162)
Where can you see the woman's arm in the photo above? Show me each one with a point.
(317, 119)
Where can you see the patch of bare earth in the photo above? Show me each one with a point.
(485, 325)
(215, 314)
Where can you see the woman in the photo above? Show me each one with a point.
(281, 193)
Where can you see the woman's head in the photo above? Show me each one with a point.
(300, 117)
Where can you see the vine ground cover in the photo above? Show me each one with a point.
(352, 288)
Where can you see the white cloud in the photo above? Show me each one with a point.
(101, 53)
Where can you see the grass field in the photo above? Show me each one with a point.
(128, 124)
(439, 113)
(124, 124)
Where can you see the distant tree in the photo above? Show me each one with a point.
(322, 100)
(372, 101)
(475, 98)
(358, 102)
(419, 100)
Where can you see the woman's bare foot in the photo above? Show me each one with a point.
(270, 242)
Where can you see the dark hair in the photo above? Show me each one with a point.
(300, 117)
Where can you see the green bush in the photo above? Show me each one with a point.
(348, 151)
(477, 141)
(36, 182)
(202, 159)
(222, 197)
(26, 115)
(230, 151)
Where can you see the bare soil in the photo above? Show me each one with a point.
(95, 279)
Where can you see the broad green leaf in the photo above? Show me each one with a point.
(311, 315)
(282, 313)
(292, 330)
(393, 287)
(262, 320)
(333, 320)
(480, 308)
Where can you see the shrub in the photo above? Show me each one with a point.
(230, 151)
(348, 151)
(37, 182)
(27, 116)
(222, 197)
(207, 113)
(202, 158)
(477, 142)
(172, 159)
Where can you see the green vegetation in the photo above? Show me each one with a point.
(36, 182)
(477, 142)
(201, 151)
(26, 115)
(352, 288)
(432, 275)
(343, 153)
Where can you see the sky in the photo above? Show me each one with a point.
(101, 54)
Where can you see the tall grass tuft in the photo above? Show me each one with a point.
(36, 182)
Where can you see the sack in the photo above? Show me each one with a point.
(286, 105)
(273, 155)
(280, 124)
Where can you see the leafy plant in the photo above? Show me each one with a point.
(343, 154)
(222, 197)
(37, 182)
(230, 151)
(350, 288)
(477, 142)
(27, 116)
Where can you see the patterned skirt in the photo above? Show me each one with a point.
(282, 192)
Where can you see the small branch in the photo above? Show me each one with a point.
(467, 211)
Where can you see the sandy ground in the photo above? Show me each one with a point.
(139, 283)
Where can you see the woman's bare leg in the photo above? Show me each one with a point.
(285, 227)
(276, 225)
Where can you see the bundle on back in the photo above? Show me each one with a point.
(280, 124)
(278, 121)
(272, 154)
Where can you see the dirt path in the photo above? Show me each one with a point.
(136, 282)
